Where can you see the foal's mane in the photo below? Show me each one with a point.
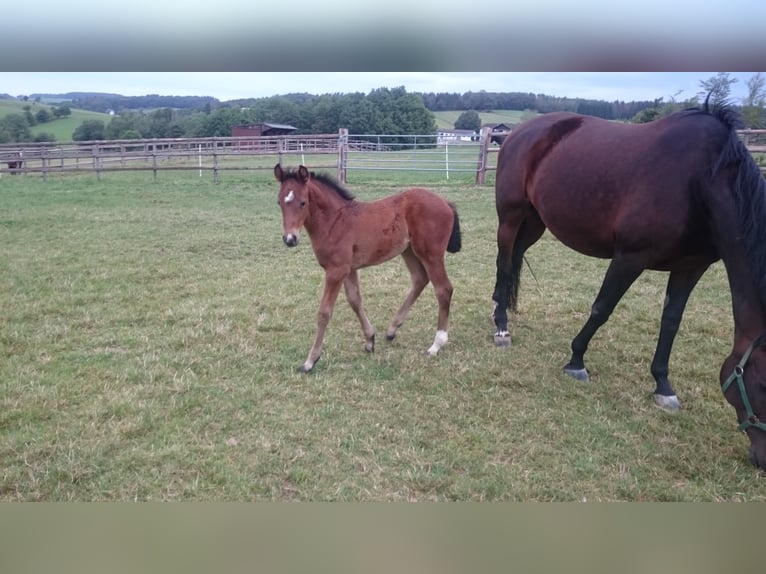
(324, 179)
(749, 187)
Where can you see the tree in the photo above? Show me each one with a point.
(468, 120)
(43, 116)
(646, 115)
(753, 104)
(14, 128)
(89, 130)
(61, 111)
(29, 116)
(123, 124)
(717, 88)
(44, 137)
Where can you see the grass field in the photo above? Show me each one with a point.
(150, 333)
(447, 119)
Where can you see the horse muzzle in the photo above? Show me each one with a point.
(290, 239)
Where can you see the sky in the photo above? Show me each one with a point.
(609, 86)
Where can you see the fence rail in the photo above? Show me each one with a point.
(342, 151)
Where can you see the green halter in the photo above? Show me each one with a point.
(737, 375)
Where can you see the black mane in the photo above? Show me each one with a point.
(322, 178)
(333, 183)
(749, 191)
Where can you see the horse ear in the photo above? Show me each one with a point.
(303, 173)
(278, 173)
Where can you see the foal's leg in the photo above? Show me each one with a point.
(332, 283)
(680, 286)
(419, 278)
(619, 277)
(354, 297)
(437, 273)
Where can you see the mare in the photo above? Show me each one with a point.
(675, 195)
(347, 234)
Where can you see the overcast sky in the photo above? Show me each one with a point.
(273, 35)
(610, 86)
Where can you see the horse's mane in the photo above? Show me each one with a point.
(325, 179)
(749, 188)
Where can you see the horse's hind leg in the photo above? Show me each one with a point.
(354, 297)
(437, 273)
(619, 277)
(419, 278)
(514, 237)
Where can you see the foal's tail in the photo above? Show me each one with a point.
(454, 244)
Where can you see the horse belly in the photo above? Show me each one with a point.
(572, 223)
(378, 241)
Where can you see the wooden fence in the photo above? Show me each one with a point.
(472, 157)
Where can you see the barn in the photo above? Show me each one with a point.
(498, 139)
(264, 129)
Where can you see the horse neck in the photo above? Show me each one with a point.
(747, 307)
(324, 208)
(735, 202)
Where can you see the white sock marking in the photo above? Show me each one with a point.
(439, 341)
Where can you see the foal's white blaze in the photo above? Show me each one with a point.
(439, 341)
(289, 197)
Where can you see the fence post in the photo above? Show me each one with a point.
(342, 154)
(154, 161)
(96, 161)
(481, 168)
(44, 161)
(215, 160)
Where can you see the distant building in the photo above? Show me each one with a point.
(498, 139)
(264, 129)
(447, 136)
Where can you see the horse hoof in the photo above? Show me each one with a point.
(370, 347)
(306, 367)
(579, 374)
(502, 339)
(390, 337)
(668, 403)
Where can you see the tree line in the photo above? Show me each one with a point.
(382, 111)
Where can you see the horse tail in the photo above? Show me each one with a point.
(455, 242)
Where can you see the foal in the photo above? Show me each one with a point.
(347, 235)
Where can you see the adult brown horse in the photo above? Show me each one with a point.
(347, 235)
(675, 195)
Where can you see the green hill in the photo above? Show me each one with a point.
(446, 120)
(61, 129)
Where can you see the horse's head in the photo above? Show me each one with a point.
(293, 199)
(744, 386)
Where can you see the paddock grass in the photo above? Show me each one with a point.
(150, 333)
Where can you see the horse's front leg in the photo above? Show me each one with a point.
(680, 286)
(619, 277)
(354, 297)
(332, 283)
